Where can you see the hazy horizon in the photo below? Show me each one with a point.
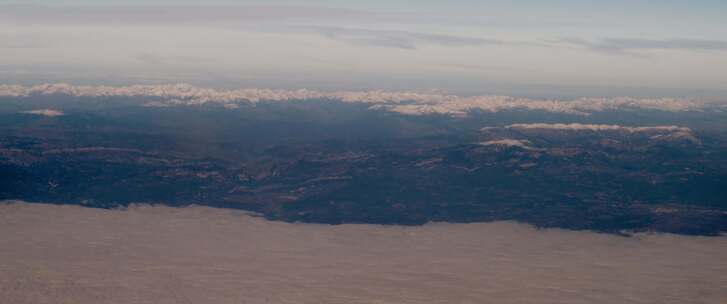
(526, 48)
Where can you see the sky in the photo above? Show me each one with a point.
(520, 47)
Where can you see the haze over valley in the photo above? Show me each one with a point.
(68, 254)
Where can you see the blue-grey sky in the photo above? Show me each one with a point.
(615, 47)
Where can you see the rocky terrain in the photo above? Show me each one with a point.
(334, 161)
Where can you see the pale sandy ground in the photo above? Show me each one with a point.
(69, 254)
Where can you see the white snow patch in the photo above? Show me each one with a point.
(45, 112)
(404, 102)
(598, 128)
(525, 144)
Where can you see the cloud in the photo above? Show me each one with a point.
(397, 38)
(149, 58)
(475, 67)
(208, 254)
(164, 59)
(627, 45)
(287, 19)
(184, 14)
(17, 41)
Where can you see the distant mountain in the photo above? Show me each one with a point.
(403, 102)
(611, 165)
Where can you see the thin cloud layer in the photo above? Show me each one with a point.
(398, 39)
(621, 45)
(171, 15)
(64, 254)
(344, 45)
